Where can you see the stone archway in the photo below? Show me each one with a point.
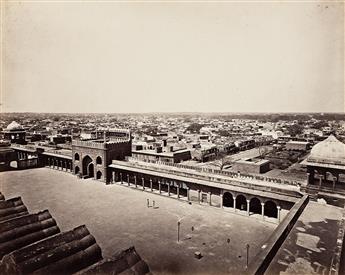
(99, 175)
(76, 170)
(270, 209)
(88, 167)
(228, 200)
(91, 170)
(99, 160)
(76, 156)
(241, 203)
(255, 206)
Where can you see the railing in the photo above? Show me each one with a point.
(222, 173)
(99, 145)
(241, 181)
(26, 147)
(57, 152)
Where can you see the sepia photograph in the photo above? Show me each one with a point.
(187, 137)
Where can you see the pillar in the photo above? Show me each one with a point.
(263, 210)
(128, 179)
(320, 180)
(143, 183)
(178, 191)
(209, 200)
(334, 180)
(188, 196)
(121, 178)
(168, 188)
(159, 187)
(278, 213)
(221, 200)
(235, 203)
(66, 166)
(308, 178)
(113, 176)
(151, 185)
(71, 168)
(248, 205)
(135, 181)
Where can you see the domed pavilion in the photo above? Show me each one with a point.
(326, 164)
(15, 133)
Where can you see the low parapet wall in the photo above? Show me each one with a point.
(263, 259)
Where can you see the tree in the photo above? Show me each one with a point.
(295, 129)
(263, 151)
(194, 127)
(222, 159)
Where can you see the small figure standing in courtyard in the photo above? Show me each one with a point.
(153, 204)
(148, 203)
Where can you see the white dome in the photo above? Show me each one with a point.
(330, 151)
(13, 126)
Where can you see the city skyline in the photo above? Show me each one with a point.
(173, 57)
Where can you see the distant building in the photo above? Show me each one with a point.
(253, 166)
(159, 155)
(59, 139)
(14, 133)
(326, 165)
(205, 153)
(92, 157)
(297, 146)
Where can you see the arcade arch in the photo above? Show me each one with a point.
(88, 167)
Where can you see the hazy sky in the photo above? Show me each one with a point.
(171, 57)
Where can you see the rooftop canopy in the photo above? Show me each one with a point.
(328, 151)
(14, 126)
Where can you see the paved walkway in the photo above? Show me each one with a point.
(118, 217)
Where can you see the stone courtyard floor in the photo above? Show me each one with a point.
(118, 217)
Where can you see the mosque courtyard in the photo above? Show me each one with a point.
(118, 217)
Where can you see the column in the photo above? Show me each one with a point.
(168, 188)
(143, 183)
(135, 181)
(113, 176)
(209, 201)
(66, 166)
(121, 178)
(128, 179)
(159, 187)
(199, 191)
(278, 213)
(221, 200)
(308, 178)
(320, 180)
(235, 203)
(151, 185)
(188, 196)
(178, 190)
(248, 205)
(334, 180)
(263, 210)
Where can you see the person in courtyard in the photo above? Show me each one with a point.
(148, 203)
